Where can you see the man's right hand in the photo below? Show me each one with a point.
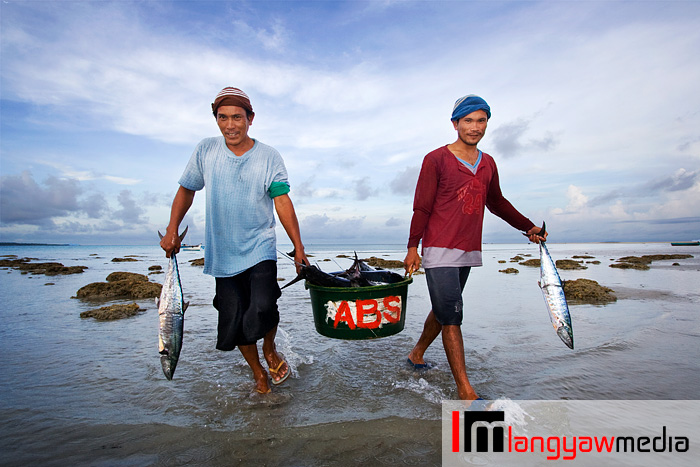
(170, 243)
(412, 261)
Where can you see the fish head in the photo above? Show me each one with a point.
(566, 336)
(168, 366)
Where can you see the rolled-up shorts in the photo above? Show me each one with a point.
(445, 286)
(247, 305)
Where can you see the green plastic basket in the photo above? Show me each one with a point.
(355, 313)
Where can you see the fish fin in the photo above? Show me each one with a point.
(160, 235)
(158, 302)
(184, 308)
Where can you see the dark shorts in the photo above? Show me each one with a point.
(247, 305)
(445, 286)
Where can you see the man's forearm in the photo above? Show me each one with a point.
(181, 204)
(288, 218)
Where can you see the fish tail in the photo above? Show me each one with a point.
(293, 281)
(182, 237)
(542, 232)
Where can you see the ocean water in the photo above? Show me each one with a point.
(84, 392)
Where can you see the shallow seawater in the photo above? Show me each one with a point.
(82, 391)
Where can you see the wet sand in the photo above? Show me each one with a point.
(389, 441)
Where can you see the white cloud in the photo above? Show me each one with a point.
(577, 199)
(86, 175)
(588, 99)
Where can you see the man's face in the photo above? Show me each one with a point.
(471, 127)
(234, 124)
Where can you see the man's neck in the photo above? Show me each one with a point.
(243, 147)
(466, 152)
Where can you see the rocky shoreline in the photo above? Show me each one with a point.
(134, 286)
(26, 266)
(112, 312)
(587, 291)
(643, 262)
(118, 286)
(121, 285)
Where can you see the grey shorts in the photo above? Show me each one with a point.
(445, 286)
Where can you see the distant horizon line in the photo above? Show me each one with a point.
(344, 243)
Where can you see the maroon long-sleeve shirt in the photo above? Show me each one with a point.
(448, 208)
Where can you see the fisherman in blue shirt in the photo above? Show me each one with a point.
(245, 179)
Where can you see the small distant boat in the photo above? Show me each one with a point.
(192, 247)
(695, 243)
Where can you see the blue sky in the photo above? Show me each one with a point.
(595, 126)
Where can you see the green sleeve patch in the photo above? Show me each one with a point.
(278, 189)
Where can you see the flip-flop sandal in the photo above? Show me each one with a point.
(479, 404)
(417, 366)
(275, 372)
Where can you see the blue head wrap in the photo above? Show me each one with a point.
(468, 104)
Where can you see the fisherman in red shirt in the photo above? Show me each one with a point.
(455, 183)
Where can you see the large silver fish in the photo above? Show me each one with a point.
(553, 292)
(171, 315)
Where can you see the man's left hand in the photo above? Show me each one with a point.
(534, 235)
(299, 259)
